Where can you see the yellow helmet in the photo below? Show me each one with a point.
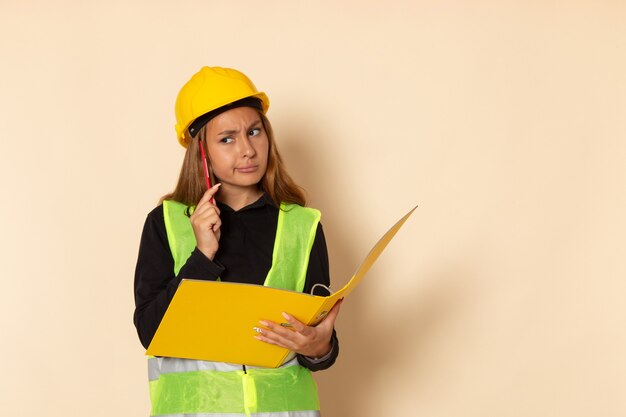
(209, 89)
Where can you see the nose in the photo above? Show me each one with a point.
(247, 150)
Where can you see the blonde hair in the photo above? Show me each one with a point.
(276, 182)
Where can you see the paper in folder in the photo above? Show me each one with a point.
(211, 320)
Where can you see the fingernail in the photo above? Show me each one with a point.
(258, 329)
(285, 315)
(264, 323)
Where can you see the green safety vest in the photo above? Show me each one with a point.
(203, 388)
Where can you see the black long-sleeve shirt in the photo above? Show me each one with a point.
(244, 255)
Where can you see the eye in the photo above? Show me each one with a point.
(254, 132)
(227, 139)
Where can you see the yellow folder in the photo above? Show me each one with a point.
(211, 320)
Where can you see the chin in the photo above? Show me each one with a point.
(252, 180)
(243, 184)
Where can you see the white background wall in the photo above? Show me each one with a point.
(504, 120)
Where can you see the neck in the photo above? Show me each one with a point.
(238, 198)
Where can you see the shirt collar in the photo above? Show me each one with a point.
(264, 200)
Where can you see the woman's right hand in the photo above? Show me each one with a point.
(206, 223)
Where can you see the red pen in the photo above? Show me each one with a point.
(206, 168)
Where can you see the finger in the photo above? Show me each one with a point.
(206, 217)
(213, 190)
(297, 325)
(285, 335)
(334, 312)
(271, 327)
(206, 213)
(206, 207)
(286, 338)
(208, 194)
(201, 212)
(216, 226)
(330, 318)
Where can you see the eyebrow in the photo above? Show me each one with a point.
(230, 132)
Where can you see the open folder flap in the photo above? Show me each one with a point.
(210, 320)
(373, 255)
(363, 268)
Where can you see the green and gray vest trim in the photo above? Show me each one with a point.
(184, 387)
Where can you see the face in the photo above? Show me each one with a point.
(237, 146)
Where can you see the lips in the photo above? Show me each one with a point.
(247, 169)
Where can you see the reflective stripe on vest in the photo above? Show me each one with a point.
(295, 234)
(203, 388)
(158, 366)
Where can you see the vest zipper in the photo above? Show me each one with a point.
(244, 369)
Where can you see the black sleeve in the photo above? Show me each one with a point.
(155, 282)
(318, 272)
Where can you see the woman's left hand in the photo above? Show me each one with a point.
(311, 341)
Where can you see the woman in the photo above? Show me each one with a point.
(229, 231)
